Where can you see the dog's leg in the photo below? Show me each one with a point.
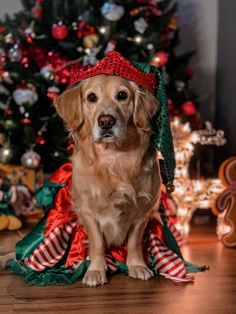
(135, 261)
(96, 273)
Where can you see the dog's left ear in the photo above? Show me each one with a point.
(145, 107)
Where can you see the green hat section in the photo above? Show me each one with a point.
(162, 137)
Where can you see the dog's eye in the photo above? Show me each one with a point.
(92, 97)
(122, 95)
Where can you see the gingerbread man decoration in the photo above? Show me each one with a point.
(226, 201)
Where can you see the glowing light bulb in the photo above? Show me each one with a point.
(138, 39)
(102, 29)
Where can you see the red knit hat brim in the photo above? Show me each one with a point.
(115, 64)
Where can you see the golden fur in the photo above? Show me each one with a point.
(115, 180)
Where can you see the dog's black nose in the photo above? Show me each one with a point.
(106, 121)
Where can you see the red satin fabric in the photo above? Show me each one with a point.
(61, 213)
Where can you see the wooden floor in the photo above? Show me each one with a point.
(213, 291)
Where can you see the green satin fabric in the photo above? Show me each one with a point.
(26, 246)
(45, 195)
(50, 276)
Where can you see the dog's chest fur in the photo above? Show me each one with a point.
(117, 190)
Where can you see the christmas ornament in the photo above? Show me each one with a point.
(10, 125)
(140, 25)
(14, 54)
(170, 105)
(29, 34)
(112, 12)
(111, 45)
(30, 159)
(25, 94)
(47, 72)
(59, 31)
(189, 108)
(160, 59)
(40, 139)
(37, 11)
(190, 72)
(7, 153)
(26, 121)
(91, 56)
(84, 29)
(8, 38)
(90, 41)
(179, 85)
(53, 92)
(2, 56)
(9, 112)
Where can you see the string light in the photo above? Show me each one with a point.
(138, 39)
(198, 193)
(102, 30)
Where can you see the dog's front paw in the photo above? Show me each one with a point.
(93, 278)
(140, 272)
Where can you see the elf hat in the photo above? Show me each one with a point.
(149, 77)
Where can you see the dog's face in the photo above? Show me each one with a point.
(105, 106)
(108, 105)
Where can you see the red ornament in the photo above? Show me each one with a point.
(37, 11)
(160, 59)
(189, 108)
(59, 31)
(84, 29)
(170, 104)
(26, 121)
(9, 112)
(190, 72)
(53, 92)
(40, 139)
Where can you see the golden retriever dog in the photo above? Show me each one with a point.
(115, 177)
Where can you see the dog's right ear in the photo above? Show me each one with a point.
(69, 108)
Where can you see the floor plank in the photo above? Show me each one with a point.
(213, 291)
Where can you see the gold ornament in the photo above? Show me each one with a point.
(90, 41)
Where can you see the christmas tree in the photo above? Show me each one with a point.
(40, 44)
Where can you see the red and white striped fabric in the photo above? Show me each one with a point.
(110, 263)
(167, 262)
(52, 248)
(178, 236)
